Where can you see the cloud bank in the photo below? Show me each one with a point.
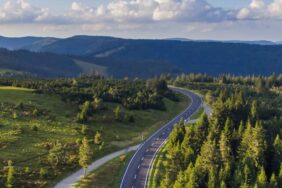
(193, 15)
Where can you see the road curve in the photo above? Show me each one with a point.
(136, 173)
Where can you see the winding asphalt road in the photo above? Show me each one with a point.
(137, 171)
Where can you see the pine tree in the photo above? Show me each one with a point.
(117, 113)
(277, 157)
(42, 172)
(202, 127)
(244, 152)
(97, 103)
(273, 182)
(209, 156)
(223, 184)
(254, 110)
(180, 180)
(84, 154)
(262, 179)
(253, 145)
(193, 180)
(225, 149)
(212, 179)
(248, 175)
(241, 129)
(228, 128)
(258, 144)
(280, 176)
(82, 116)
(10, 175)
(98, 138)
(237, 178)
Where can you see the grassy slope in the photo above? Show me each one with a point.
(25, 145)
(90, 68)
(59, 125)
(198, 114)
(107, 176)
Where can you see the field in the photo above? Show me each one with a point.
(26, 136)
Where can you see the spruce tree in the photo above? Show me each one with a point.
(258, 144)
(262, 179)
(98, 138)
(277, 153)
(225, 149)
(84, 155)
(241, 129)
(10, 174)
(254, 111)
(117, 112)
(212, 179)
(223, 184)
(273, 181)
(280, 176)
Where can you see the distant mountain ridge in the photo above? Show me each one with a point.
(257, 42)
(22, 42)
(143, 58)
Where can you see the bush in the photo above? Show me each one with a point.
(34, 128)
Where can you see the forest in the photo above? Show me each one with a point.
(240, 145)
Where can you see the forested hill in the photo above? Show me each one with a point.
(38, 64)
(146, 58)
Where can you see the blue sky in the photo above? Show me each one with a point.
(195, 19)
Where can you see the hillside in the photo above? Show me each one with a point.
(38, 64)
(146, 58)
(125, 57)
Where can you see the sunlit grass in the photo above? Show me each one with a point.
(15, 88)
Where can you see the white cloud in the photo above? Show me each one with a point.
(20, 11)
(258, 9)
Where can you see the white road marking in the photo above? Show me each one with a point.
(135, 176)
(142, 158)
(138, 166)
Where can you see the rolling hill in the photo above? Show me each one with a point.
(44, 65)
(145, 58)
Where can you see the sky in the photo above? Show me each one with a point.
(194, 19)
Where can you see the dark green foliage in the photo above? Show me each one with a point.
(236, 147)
(43, 65)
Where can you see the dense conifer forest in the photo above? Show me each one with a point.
(240, 145)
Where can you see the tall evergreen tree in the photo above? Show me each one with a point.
(98, 138)
(277, 153)
(85, 155)
(212, 183)
(225, 149)
(10, 175)
(262, 179)
(280, 176)
(273, 181)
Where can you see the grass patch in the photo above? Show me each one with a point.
(198, 114)
(107, 176)
(89, 68)
(14, 88)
